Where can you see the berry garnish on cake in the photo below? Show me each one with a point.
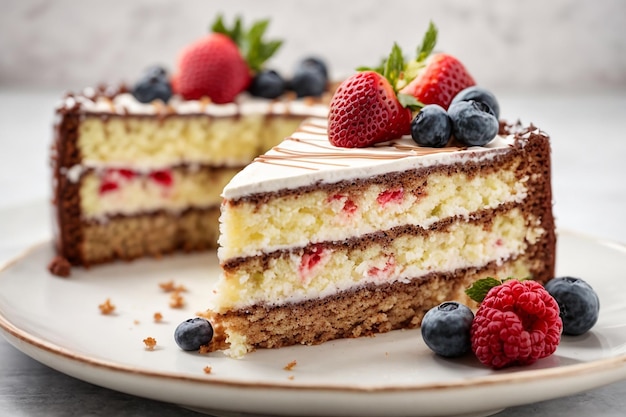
(222, 64)
(517, 322)
(364, 111)
(378, 104)
(154, 84)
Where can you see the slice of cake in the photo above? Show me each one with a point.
(350, 227)
(139, 171)
(320, 242)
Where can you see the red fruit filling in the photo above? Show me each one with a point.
(349, 206)
(310, 259)
(163, 178)
(385, 272)
(390, 197)
(111, 179)
(107, 186)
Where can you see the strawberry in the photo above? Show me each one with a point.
(221, 64)
(442, 78)
(365, 110)
(212, 66)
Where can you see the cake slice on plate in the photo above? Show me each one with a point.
(350, 228)
(319, 242)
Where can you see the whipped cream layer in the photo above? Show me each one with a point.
(92, 102)
(308, 158)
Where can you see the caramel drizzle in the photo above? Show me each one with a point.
(296, 159)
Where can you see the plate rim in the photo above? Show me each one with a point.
(521, 376)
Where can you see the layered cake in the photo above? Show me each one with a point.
(138, 171)
(134, 179)
(358, 241)
(352, 227)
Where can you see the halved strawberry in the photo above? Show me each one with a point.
(443, 78)
(365, 110)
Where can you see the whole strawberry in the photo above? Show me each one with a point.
(213, 67)
(221, 64)
(517, 323)
(365, 110)
(443, 77)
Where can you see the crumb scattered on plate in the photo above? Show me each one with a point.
(150, 343)
(290, 365)
(177, 300)
(170, 286)
(208, 369)
(158, 317)
(106, 307)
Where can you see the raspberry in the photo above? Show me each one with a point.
(517, 323)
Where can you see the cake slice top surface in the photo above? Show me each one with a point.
(307, 158)
(91, 101)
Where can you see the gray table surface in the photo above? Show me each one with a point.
(589, 144)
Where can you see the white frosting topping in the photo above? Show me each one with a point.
(307, 158)
(125, 103)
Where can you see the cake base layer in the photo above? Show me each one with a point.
(366, 310)
(152, 234)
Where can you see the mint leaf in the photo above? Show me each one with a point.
(478, 290)
(428, 43)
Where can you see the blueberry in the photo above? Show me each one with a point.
(481, 94)
(431, 126)
(153, 85)
(267, 84)
(578, 302)
(155, 71)
(315, 63)
(473, 123)
(308, 81)
(193, 333)
(446, 329)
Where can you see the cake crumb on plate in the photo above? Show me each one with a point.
(150, 343)
(106, 308)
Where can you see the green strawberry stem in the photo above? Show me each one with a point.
(399, 72)
(255, 50)
(428, 43)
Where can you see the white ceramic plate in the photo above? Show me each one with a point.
(57, 322)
